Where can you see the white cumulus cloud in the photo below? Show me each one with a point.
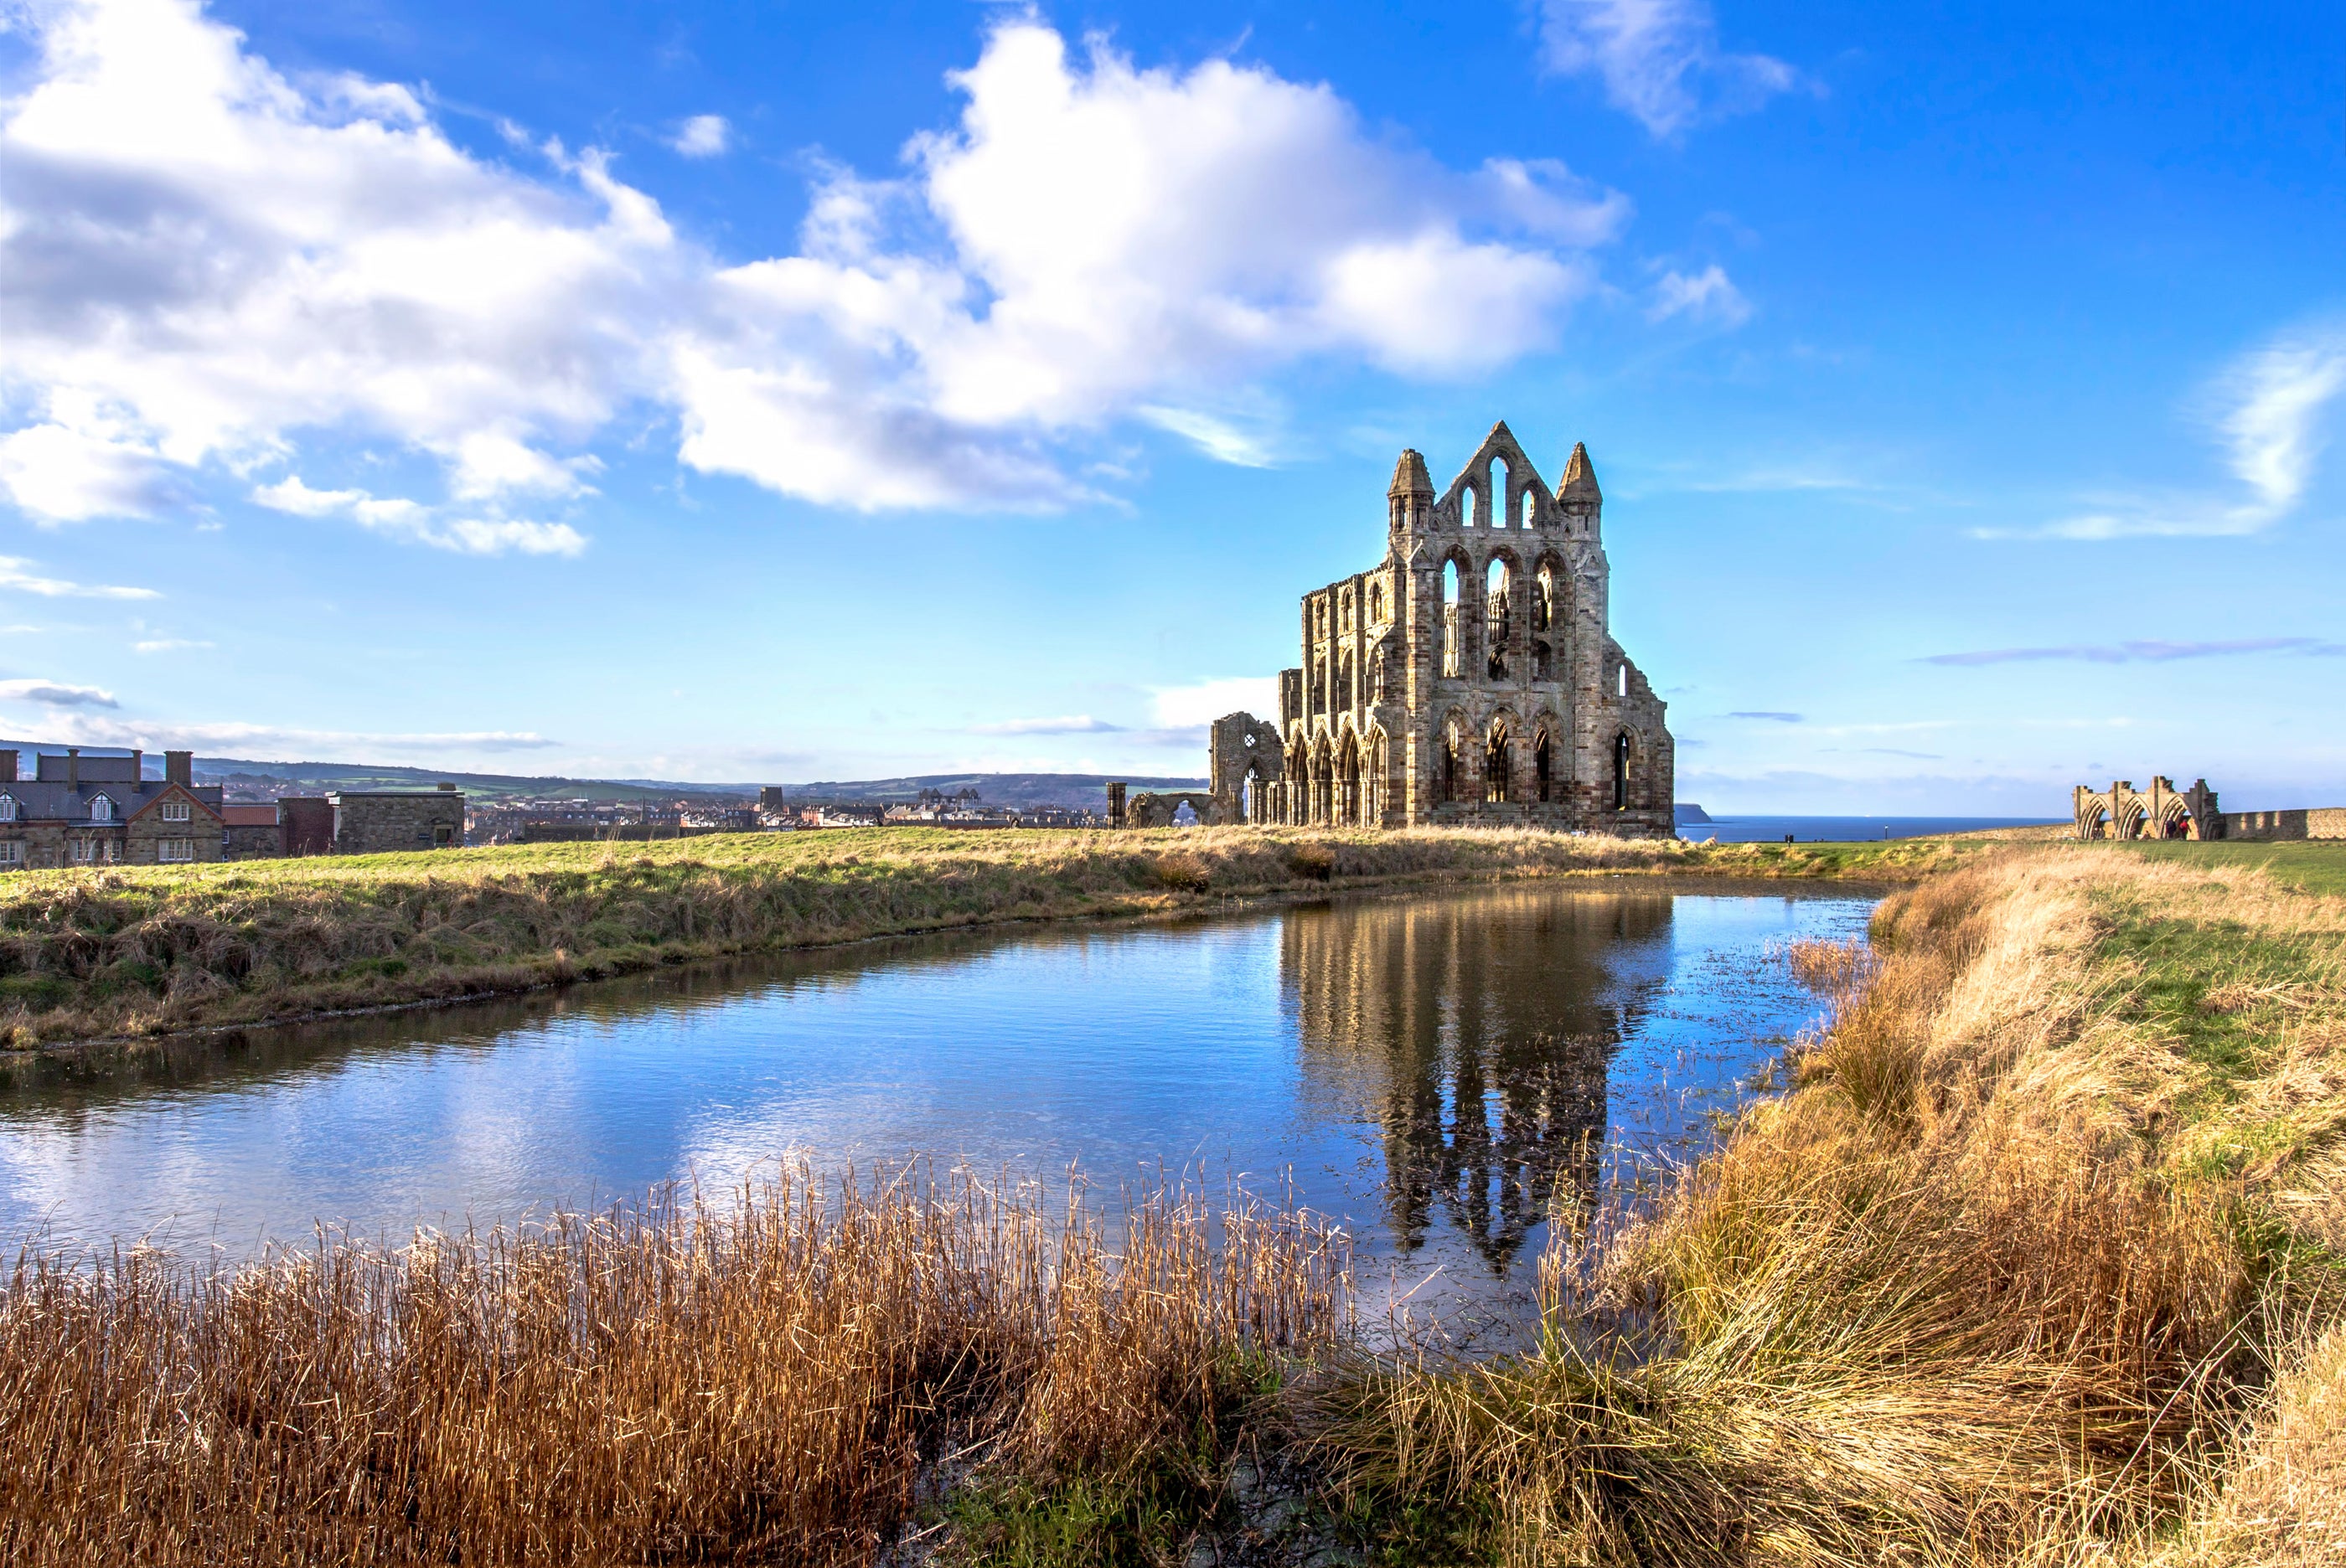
(203, 260)
(209, 265)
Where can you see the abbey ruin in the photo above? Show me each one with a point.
(1470, 676)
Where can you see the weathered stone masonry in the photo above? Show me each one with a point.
(1471, 675)
(380, 821)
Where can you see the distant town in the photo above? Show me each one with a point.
(93, 806)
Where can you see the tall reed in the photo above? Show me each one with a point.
(761, 1381)
(1958, 1298)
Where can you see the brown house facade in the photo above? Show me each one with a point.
(78, 812)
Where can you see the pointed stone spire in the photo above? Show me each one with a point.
(1500, 431)
(1410, 477)
(1580, 478)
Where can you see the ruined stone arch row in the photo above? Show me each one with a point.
(2162, 811)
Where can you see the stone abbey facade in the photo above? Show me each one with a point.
(1470, 676)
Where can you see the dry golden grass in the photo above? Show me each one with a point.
(1994, 1284)
(758, 1383)
(145, 951)
(1823, 965)
(1985, 1287)
(2281, 1501)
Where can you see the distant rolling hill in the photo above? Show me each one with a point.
(249, 778)
(1076, 791)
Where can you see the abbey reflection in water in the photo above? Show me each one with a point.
(1478, 1034)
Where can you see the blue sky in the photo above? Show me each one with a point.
(781, 391)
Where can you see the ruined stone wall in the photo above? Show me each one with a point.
(2162, 811)
(1148, 809)
(2272, 826)
(1241, 748)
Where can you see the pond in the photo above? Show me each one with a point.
(1424, 1069)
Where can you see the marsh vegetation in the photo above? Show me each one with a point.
(2037, 1261)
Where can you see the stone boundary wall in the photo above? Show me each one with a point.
(2318, 822)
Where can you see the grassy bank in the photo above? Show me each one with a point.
(149, 951)
(2006, 1278)
(2040, 1261)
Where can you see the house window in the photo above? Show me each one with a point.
(175, 811)
(85, 849)
(101, 810)
(7, 808)
(170, 849)
(12, 853)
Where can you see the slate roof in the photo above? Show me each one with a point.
(52, 802)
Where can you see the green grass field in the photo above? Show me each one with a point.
(2317, 867)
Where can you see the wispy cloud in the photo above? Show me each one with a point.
(289, 742)
(1217, 438)
(1708, 296)
(2142, 652)
(2269, 416)
(1072, 724)
(2279, 393)
(1775, 718)
(17, 573)
(1658, 59)
(413, 521)
(56, 694)
(170, 644)
(703, 136)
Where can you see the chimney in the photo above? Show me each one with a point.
(7, 765)
(180, 767)
(450, 787)
(137, 768)
(73, 766)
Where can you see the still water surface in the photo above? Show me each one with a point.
(1426, 1069)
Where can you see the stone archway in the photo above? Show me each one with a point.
(1149, 809)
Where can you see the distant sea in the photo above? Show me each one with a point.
(1842, 829)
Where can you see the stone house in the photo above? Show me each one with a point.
(80, 811)
(251, 832)
(387, 821)
(1470, 676)
(288, 825)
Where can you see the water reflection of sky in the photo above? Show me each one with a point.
(1429, 1069)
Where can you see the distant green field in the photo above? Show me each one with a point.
(2317, 867)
